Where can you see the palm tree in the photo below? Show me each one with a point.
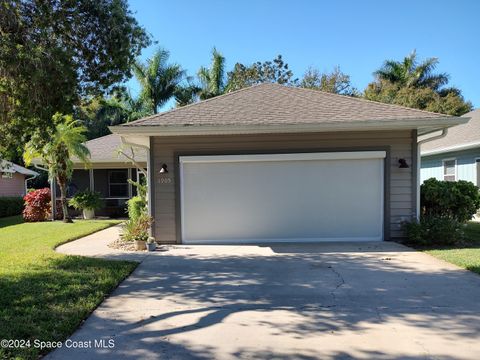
(410, 73)
(187, 93)
(67, 141)
(158, 79)
(213, 79)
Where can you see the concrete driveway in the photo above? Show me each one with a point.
(322, 301)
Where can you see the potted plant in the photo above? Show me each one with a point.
(151, 243)
(87, 201)
(141, 242)
(136, 230)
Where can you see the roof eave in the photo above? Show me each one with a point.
(448, 149)
(422, 125)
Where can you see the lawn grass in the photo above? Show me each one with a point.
(45, 295)
(466, 255)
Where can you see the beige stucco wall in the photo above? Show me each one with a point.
(14, 186)
(400, 200)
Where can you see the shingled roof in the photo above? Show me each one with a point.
(274, 104)
(9, 167)
(458, 138)
(105, 150)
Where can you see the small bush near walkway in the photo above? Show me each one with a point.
(11, 206)
(136, 207)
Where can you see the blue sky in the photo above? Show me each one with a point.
(356, 35)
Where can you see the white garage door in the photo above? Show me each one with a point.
(335, 196)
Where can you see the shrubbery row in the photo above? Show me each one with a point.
(11, 206)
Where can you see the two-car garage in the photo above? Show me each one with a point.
(308, 196)
(273, 163)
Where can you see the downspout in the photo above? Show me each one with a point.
(26, 181)
(419, 143)
(53, 192)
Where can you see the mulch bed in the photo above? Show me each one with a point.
(119, 244)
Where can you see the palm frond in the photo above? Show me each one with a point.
(217, 72)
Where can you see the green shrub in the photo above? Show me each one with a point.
(10, 206)
(136, 207)
(458, 200)
(137, 228)
(86, 200)
(435, 230)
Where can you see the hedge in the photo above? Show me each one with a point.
(10, 206)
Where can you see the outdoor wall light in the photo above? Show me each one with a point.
(403, 164)
(164, 169)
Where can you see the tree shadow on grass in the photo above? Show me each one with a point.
(10, 221)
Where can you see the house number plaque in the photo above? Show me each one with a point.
(165, 180)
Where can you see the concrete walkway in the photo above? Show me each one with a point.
(305, 301)
(96, 245)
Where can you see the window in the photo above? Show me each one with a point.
(450, 170)
(117, 183)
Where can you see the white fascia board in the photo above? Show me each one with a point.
(136, 141)
(350, 155)
(405, 124)
(461, 147)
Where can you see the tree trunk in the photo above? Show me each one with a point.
(63, 199)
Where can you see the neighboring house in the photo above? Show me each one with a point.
(108, 174)
(13, 179)
(272, 163)
(455, 156)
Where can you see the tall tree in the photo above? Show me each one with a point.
(414, 83)
(55, 52)
(187, 93)
(158, 79)
(212, 79)
(411, 73)
(66, 141)
(275, 71)
(336, 82)
(101, 112)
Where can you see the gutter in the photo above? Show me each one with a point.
(419, 159)
(436, 137)
(209, 129)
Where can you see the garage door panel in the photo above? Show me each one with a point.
(282, 200)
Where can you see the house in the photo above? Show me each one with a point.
(13, 179)
(108, 173)
(275, 163)
(455, 156)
